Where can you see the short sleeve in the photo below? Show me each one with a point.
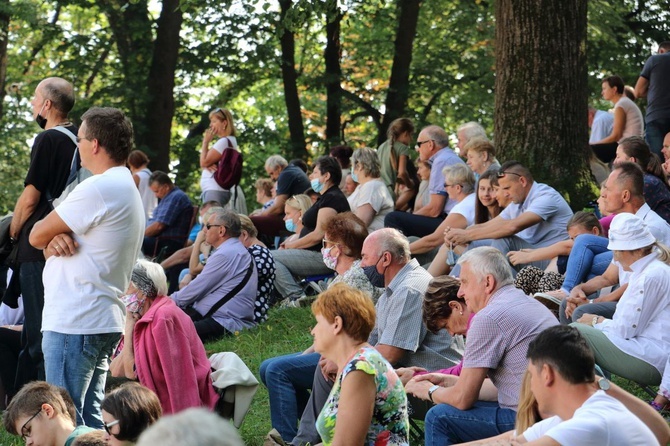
(84, 196)
(404, 323)
(486, 344)
(436, 182)
(544, 205)
(370, 194)
(648, 66)
(537, 430)
(401, 149)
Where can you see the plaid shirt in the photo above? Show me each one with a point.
(171, 211)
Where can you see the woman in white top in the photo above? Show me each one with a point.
(371, 200)
(634, 344)
(459, 182)
(221, 125)
(138, 162)
(628, 120)
(423, 169)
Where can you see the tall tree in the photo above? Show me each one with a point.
(541, 91)
(398, 90)
(296, 127)
(4, 40)
(333, 73)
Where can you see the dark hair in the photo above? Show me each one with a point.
(137, 159)
(513, 166)
(298, 163)
(636, 147)
(397, 128)
(160, 177)
(135, 406)
(347, 230)
(60, 92)
(564, 349)
(441, 290)
(29, 400)
(664, 45)
(615, 81)
(112, 129)
(93, 438)
(482, 214)
(631, 177)
(343, 155)
(586, 220)
(327, 164)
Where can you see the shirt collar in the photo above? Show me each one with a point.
(640, 264)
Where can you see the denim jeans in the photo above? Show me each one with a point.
(604, 309)
(288, 379)
(654, 133)
(79, 363)
(30, 364)
(589, 258)
(447, 425)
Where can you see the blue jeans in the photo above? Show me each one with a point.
(447, 425)
(79, 363)
(654, 133)
(288, 379)
(30, 365)
(589, 258)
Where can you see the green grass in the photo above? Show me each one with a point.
(286, 331)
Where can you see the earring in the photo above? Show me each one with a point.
(461, 313)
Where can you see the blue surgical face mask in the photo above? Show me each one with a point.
(317, 186)
(375, 277)
(354, 177)
(290, 226)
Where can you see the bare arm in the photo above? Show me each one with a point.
(194, 265)
(561, 248)
(316, 235)
(180, 256)
(25, 206)
(434, 208)
(208, 157)
(495, 228)
(390, 353)
(425, 244)
(47, 229)
(462, 395)
(641, 87)
(617, 128)
(366, 213)
(355, 407)
(154, 229)
(277, 207)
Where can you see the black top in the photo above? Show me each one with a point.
(332, 198)
(292, 181)
(50, 160)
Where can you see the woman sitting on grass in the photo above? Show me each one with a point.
(367, 404)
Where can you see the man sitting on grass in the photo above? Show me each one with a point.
(39, 412)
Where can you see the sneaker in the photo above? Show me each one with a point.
(288, 303)
(551, 302)
(305, 301)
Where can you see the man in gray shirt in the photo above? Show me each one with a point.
(653, 83)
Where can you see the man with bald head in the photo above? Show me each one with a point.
(50, 160)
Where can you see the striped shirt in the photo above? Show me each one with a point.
(499, 336)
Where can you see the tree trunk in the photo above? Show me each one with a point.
(541, 92)
(4, 39)
(160, 85)
(333, 75)
(296, 127)
(398, 91)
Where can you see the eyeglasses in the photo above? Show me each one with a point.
(208, 226)
(503, 173)
(324, 242)
(25, 430)
(420, 143)
(110, 424)
(79, 139)
(450, 185)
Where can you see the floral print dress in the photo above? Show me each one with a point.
(390, 423)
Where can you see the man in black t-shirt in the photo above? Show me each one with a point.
(291, 180)
(50, 164)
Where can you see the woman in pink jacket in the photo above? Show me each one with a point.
(161, 347)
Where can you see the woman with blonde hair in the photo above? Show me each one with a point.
(481, 156)
(220, 125)
(368, 403)
(371, 201)
(294, 209)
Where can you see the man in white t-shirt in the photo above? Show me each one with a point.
(562, 379)
(537, 217)
(91, 242)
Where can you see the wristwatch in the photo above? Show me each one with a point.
(594, 321)
(433, 388)
(603, 383)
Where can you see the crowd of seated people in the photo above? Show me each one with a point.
(387, 327)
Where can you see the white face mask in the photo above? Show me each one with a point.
(328, 260)
(200, 219)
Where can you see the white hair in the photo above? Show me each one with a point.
(191, 427)
(486, 260)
